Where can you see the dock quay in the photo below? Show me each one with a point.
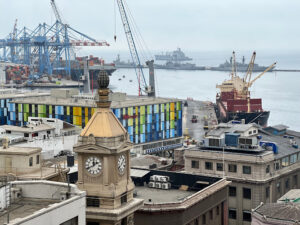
(205, 116)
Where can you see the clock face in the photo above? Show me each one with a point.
(93, 165)
(121, 164)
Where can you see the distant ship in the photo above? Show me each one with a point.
(178, 66)
(175, 56)
(240, 66)
(234, 101)
(123, 65)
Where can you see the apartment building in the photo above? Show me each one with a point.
(262, 166)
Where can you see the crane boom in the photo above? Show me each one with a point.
(249, 84)
(132, 47)
(250, 68)
(55, 10)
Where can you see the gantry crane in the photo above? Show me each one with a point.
(142, 84)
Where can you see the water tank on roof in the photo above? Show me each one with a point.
(232, 139)
(269, 144)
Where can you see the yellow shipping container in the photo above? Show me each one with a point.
(136, 110)
(86, 120)
(68, 110)
(86, 111)
(93, 110)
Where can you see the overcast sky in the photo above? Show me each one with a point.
(199, 25)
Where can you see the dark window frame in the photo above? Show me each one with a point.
(195, 164)
(232, 191)
(209, 166)
(232, 214)
(247, 170)
(247, 192)
(220, 167)
(247, 216)
(232, 168)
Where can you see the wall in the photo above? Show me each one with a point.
(145, 123)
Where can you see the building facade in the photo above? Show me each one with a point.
(153, 124)
(261, 166)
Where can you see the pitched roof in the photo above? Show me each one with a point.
(281, 211)
(104, 123)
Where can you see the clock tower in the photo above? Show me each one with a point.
(103, 151)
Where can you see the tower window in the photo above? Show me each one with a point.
(92, 201)
(124, 199)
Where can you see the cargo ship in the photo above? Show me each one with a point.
(234, 101)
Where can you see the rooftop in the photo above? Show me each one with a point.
(90, 102)
(153, 195)
(279, 211)
(37, 197)
(147, 161)
(291, 196)
(13, 150)
(30, 128)
(15, 94)
(25, 207)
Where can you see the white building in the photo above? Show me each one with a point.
(42, 202)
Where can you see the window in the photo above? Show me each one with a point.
(219, 166)
(247, 216)
(276, 166)
(124, 199)
(254, 131)
(267, 192)
(195, 164)
(293, 158)
(250, 132)
(218, 210)
(232, 168)
(26, 135)
(232, 214)
(208, 165)
(268, 169)
(287, 183)
(30, 161)
(48, 131)
(232, 191)
(37, 159)
(295, 178)
(247, 193)
(285, 161)
(278, 186)
(8, 132)
(246, 169)
(92, 201)
(124, 221)
(204, 219)
(210, 214)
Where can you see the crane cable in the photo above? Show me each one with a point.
(115, 21)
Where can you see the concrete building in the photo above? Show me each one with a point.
(41, 202)
(103, 150)
(153, 124)
(23, 163)
(261, 166)
(188, 199)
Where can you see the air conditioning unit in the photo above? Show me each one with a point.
(16, 193)
(157, 177)
(151, 184)
(166, 186)
(158, 185)
(164, 179)
(152, 178)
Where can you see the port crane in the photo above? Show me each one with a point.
(142, 84)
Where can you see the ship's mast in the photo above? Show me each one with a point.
(233, 66)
